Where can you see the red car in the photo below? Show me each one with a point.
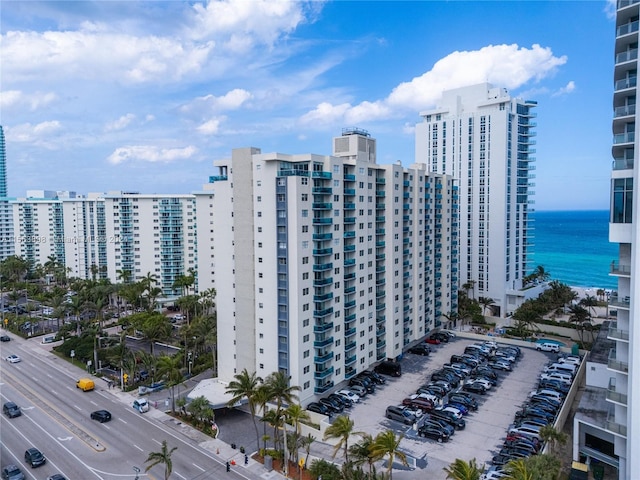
(421, 403)
(432, 341)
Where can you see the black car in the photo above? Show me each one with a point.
(554, 385)
(443, 337)
(101, 416)
(456, 398)
(500, 365)
(376, 377)
(346, 403)
(364, 383)
(434, 389)
(430, 430)
(34, 457)
(333, 406)
(457, 423)
(534, 412)
(474, 388)
(502, 459)
(368, 381)
(318, 408)
(57, 476)
(420, 349)
(11, 410)
(5, 338)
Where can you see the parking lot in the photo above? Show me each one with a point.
(485, 428)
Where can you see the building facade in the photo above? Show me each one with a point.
(331, 263)
(7, 244)
(103, 235)
(624, 229)
(483, 137)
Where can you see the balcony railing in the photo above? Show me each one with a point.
(616, 301)
(626, 3)
(627, 28)
(624, 111)
(625, 83)
(617, 365)
(616, 334)
(620, 269)
(627, 56)
(623, 164)
(616, 428)
(614, 396)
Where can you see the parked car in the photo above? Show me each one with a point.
(439, 422)
(486, 372)
(432, 341)
(548, 347)
(12, 472)
(500, 365)
(443, 337)
(420, 349)
(141, 405)
(432, 431)
(562, 377)
(318, 408)
(457, 423)
(11, 410)
(457, 413)
(34, 457)
(359, 382)
(346, 403)
(554, 385)
(101, 416)
(5, 338)
(57, 476)
(474, 388)
(400, 414)
(457, 407)
(526, 430)
(358, 390)
(460, 398)
(417, 402)
(332, 405)
(393, 369)
(348, 394)
(376, 377)
(433, 390)
(485, 382)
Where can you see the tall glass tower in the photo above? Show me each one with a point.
(3, 166)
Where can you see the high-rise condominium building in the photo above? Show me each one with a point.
(325, 265)
(624, 229)
(483, 137)
(109, 235)
(6, 221)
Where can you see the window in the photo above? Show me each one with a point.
(305, 213)
(622, 201)
(305, 339)
(305, 354)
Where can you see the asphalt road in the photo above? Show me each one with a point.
(56, 420)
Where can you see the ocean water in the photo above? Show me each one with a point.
(573, 246)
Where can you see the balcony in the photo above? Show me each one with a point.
(349, 262)
(380, 193)
(380, 206)
(323, 343)
(350, 191)
(319, 375)
(614, 396)
(350, 374)
(616, 334)
(322, 221)
(349, 177)
(349, 220)
(620, 269)
(323, 297)
(625, 83)
(322, 190)
(625, 3)
(349, 235)
(322, 282)
(623, 164)
(322, 236)
(616, 301)
(323, 313)
(349, 346)
(322, 251)
(381, 344)
(321, 206)
(322, 267)
(350, 360)
(349, 206)
(323, 327)
(350, 304)
(320, 389)
(616, 428)
(323, 358)
(627, 56)
(617, 365)
(624, 111)
(349, 332)
(349, 248)
(348, 290)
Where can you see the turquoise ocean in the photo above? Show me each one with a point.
(573, 246)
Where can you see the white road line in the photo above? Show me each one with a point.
(54, 392)
(138, 448)
(123, 421)
(76, 406)
(185, 478)
(198, 467)
(159, 443)
(93, 403)
(106, 426)
(49, 376)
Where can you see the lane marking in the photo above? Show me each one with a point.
(123, 421)
(77, 407)
(138, 448)
(181, 476)
(159, 443)
(198, 467)
(106, 426)
(93, 403)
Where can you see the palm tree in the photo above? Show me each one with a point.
(295, 414)
(387, 444)
(262, 396)
(486, 302)
(246, 385)
(452, 318)
(361, 452)
(590, 302)
(306, 444)
(518, 470)
(342, 429)
(461, 470)
(541, 274)
(470, 285)
(163, 456)
(169, 367)
(552, 437)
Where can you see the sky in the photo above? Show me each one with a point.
(145, 96)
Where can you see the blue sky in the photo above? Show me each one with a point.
(110, 95)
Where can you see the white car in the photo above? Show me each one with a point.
(570, 360)
(47, 311)
(355, 398)
(427, 396)
(415, 411)
(13, 359)
(548, 347)
(562, 377)
(493, 475)
(358, 390)
(529, 431)
(484, 382)
(456, 413)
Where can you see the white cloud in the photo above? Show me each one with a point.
(120, 123)
(567, 89)
(507, 66)
(32, 133)
(33, 101)
(232, 100)
(149, 153)
(210, 127)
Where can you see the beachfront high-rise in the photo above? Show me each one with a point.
(7, 246)
(325, 265)
(484, 138)
(624, 229)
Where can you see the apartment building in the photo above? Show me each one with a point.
(102, 235)
(484, 138)
(329, 264)
(7, 246)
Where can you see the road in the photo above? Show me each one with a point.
(56, 420)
